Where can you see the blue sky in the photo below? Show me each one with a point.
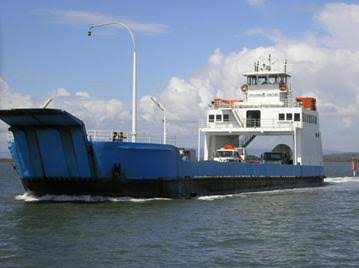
(189, 52)
(41, 52)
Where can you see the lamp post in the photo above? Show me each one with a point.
(47, 102)
(134, 73)
(160, 106)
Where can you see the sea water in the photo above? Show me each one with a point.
(306, 227)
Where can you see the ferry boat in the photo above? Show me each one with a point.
(55, 155)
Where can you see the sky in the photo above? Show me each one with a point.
(189, 52)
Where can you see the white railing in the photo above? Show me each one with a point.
(286, 103)
(251, 123)
(114, 135)
(99, 135)
(108, 135)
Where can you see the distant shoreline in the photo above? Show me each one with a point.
(6, 160)
(340, 157)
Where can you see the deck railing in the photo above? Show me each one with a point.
(108, 135)
(237, 105)
(115, 135)
(251, 123)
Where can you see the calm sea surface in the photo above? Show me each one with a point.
(302, 228)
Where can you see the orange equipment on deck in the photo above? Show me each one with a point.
(309, 103)
(229, 146)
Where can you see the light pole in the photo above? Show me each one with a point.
(160, 106)
(47, 102)
(134, 74)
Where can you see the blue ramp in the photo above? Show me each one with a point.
(49, 143)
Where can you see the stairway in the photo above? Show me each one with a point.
(245, 140)
(237, 118)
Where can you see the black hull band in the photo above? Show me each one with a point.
(174, 188)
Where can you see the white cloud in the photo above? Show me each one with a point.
(341, 21)
(10, 99)
(255, 2)
(88, 18)
(61, 92)
(83, 94)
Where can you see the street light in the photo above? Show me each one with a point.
(160, 106)
(134, 77)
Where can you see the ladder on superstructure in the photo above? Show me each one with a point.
(245, 140)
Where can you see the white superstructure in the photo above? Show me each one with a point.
(268, 109)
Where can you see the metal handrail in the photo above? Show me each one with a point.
(287, 103)
(251, 123)
(108, 135)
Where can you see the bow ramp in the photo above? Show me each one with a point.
(49, 143)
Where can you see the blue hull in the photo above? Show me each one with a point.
(54, 156)
(164, 188)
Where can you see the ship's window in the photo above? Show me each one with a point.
(226, 117)
(289, 116)
(251, 80)
(272, 79)
(218, 117)
(262, 80)
(211, 118)
(296, 117)
(281, 117)
(283, 79)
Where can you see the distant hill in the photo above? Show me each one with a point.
(340, 157)
(6, 160)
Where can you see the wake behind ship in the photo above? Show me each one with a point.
(55, 155)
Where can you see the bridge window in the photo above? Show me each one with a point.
(281, 117)
(262, 80)
(218, 117)
(252, 80)
(211, 118)
(272, 79)
(296, 117)
(226, 117)
(283, 79)
(289, 116)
